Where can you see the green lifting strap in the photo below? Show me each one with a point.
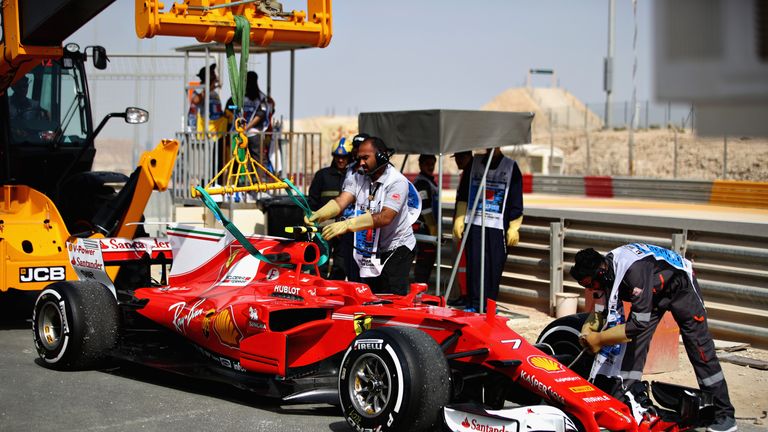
(237, 79)
(211, 204)
(301, 201)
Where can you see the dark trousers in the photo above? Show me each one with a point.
(394, 276)
(683, 300)
(495, 256)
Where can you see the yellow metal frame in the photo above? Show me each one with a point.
(18, 59)
(241, 170)
(212, 21)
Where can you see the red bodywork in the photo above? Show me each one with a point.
(242, 319)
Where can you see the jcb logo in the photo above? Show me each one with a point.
(42, 274)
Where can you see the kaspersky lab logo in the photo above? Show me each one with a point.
(42, 274)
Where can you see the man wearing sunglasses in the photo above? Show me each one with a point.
(654, 280)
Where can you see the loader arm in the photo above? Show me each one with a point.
(119, 217)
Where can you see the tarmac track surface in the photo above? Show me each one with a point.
(132, 398)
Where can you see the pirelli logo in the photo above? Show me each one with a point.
(42, 274)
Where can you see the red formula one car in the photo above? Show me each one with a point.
(393, 363)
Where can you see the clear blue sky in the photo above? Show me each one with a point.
(404, 54)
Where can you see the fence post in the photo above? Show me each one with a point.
(551, 144)
(725, 157)
(674, 155)
(647, 114)
(586, 134)
(555, 263)
(679, 242)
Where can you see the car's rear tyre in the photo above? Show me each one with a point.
(75, 324)
(394, 379)
(562, 335)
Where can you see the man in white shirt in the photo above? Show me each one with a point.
(385, 206)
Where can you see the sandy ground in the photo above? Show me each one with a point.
(748, 387)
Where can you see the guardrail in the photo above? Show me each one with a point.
(730, 260)
(721, 192)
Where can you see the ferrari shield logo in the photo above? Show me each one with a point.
(362, 323)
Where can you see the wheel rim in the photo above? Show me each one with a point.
(49, 326)
(371, 386)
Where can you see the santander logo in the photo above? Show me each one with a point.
(476, 425)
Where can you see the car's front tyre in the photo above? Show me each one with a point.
(74, 324)
(394, 379)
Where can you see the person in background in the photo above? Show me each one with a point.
(463, 161)
(217, 121)
(384, 240)
(503, 203)
(257, 111)
(425, 184)
(21, 107)
(654, 280)
(326, 185)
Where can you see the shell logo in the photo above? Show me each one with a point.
(545, 363)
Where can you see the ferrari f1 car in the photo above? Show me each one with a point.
(270, 325)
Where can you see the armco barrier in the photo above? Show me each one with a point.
(739, 193)
(720, 192)
(730, 260)
(598, 186)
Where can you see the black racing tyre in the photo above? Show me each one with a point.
(75, 324)
(562, 335)
(394, 379)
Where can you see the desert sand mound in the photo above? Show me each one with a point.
(555, 106)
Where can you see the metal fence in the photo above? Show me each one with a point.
(202, 155)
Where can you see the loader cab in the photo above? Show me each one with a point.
(47, 123)
(47, 136)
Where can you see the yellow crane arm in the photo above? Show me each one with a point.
(213, 21)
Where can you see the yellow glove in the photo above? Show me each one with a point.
(429, 221)
(329, 210)
(458, 219)
(513, 232)
(354, 224)
(596, 340)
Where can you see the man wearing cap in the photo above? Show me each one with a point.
(217, 121)
(503, 203)
(425, 184)
(256, 112)
(383, 213)
(654, 280)
(326, 185)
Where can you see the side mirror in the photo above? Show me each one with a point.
(132, 115)
(100, 57)
(135, 115)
